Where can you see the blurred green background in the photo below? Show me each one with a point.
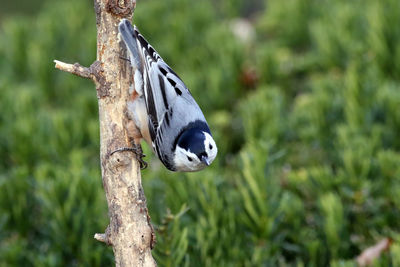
(303, 99)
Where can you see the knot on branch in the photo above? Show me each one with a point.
(121, 8)
(118, 160)
(102, 86)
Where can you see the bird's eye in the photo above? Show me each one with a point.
(189, 158)
(210, 146)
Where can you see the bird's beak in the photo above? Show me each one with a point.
(205, 160)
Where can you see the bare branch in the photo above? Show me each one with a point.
(130, 232)
(102, 238)
(76, 69)
(371, 253)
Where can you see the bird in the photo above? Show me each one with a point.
(168, 117)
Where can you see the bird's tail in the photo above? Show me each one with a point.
(130, 39)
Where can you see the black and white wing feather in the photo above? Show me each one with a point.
(161, 85)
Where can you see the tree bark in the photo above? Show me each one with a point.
(130, 232)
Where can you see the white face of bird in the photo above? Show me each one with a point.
(185, 160)
(210, 147)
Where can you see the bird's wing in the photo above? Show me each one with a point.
(161, 84)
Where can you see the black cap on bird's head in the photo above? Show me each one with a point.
(193, 140)
(195, 148)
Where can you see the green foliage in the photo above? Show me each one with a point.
(308, 170)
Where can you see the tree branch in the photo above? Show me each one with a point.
(76, 69)
(130, 232)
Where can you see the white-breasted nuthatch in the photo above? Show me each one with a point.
(165, 112)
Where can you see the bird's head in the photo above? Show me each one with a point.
(195, 150)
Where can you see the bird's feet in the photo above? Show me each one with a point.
(137, 149)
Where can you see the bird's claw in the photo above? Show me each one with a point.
(137, 149)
